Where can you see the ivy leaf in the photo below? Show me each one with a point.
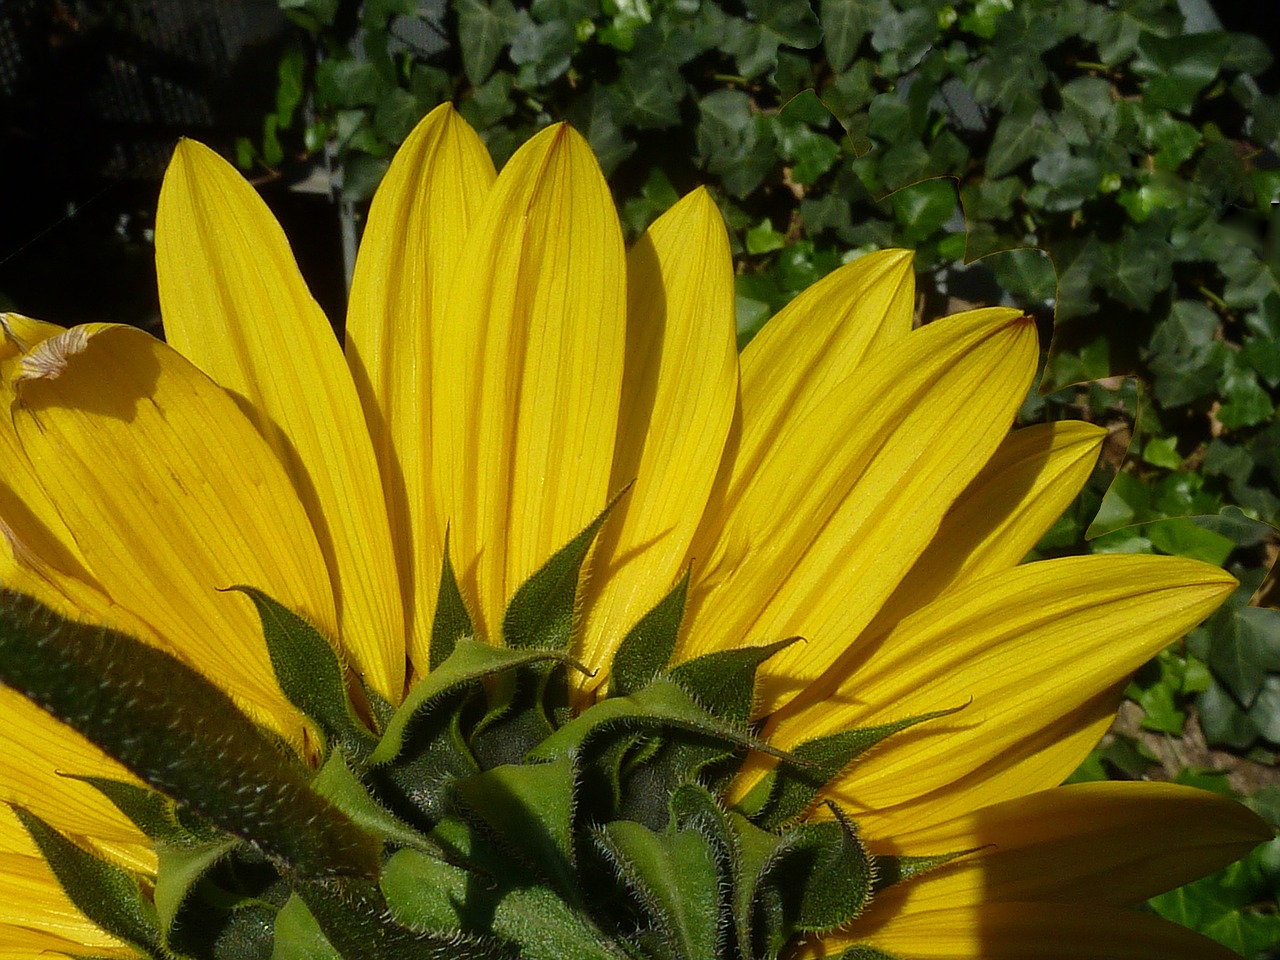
(1019, 137)
(844, 24)
(773, 23)
(483, 30)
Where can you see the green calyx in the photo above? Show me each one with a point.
(481, 819)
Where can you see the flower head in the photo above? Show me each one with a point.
(542, 623)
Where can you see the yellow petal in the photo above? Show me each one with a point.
(1032, 478)
(34, 750)
(1108, 843)
(678, 396)
(847, 499)
(172, 496)
(19, 334)
(813, 343)
(234, 303)
(20, 942)
(527, 370)
(1019, 650)
(1025, 931)
(409, 254)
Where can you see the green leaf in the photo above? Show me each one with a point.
(341, 787)
(469, 662)
(529, 809)
(178, 733)
(922, 208)
(310, 673)
(787, 791)
(774, 23)
(646, 649)
(1246, 403)
(103, 892)
(179, 871)
(674, 875)
(426, 893)
(343, 84)
(543, 51)
(723, 682)
(352, 915)
(1019, 137)
(822, 873)
(1181, 537)
(298, 936)
(452, 621)
(661, 705)
(540, 615)
(483, 30)
(762, 238)
(844, 24)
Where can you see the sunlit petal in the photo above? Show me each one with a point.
(1018, 650)
(234, 304)
(528, 370)
(848, 497)
(409, 254)
(678, 398)
(173, 497)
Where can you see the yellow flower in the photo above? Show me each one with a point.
(508, 368)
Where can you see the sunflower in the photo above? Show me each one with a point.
(542, 623)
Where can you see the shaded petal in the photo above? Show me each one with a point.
(172, 495)
(847, 499)
(409, 254)
(679, 391)
(1023, 648)
(528, 370)
(1026, 931)
(34, 750)
(1110, 843)
(234, 303)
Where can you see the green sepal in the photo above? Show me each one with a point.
(298, 936)
(863, 951)
(647, 648)
(469, 662)
(426, 893)
(310, 673)
(156, 815)
(452, 621)
(663, 704)
(416, 784)
(724, 682)
(823, 875)
(352, 914)
(529, 810)
(754, 850)
(541, 613)
(787, 791)
(675, 876)
(177, 732)
(337, 784)
(890, 870)
(108, 895)
(179, 870)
